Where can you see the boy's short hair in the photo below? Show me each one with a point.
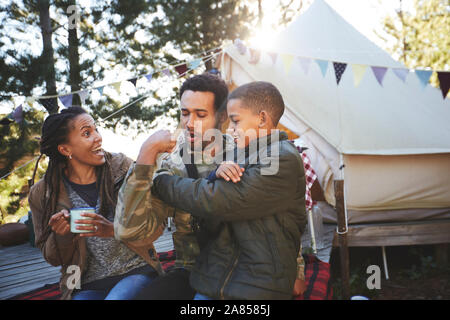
(207, 82)
(258, 96)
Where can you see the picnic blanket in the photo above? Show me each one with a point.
(317, 277)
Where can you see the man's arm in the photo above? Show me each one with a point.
(139, 215)
(235, 201)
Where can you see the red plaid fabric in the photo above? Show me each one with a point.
(310, 176)
(317, 280)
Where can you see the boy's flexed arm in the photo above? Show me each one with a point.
(235, 201)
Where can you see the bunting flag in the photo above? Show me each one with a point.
(254, 56)
(117, 86)
(240, 46)
(339, 69)
(424, 76)
(149, 77)
(194, 64)
(166, 72)
(444, 82)
(401, 73)
(66, 100)
(100, 90)
(17, 114)
(287, 62)
(379, 73)
(181, 69)
(133, 81)
(49, 103)
(358, 73)
(83, 95)
(305, 63)
(323, 64)
(273, 56)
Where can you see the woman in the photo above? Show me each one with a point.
(81, 174)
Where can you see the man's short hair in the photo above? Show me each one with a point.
(207, 82)
(258, 96)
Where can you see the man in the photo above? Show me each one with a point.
(139, 213)
(252, 249)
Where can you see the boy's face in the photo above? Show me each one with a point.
(197, 116)
(244, 123)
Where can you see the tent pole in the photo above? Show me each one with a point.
(383, 251)
(342, 236)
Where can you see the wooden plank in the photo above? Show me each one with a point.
(28, 276)
(397, 234)
(29, 268)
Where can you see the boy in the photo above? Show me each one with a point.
(257, 222)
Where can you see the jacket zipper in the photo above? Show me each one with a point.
(229, 275)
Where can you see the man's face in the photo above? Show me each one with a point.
(244, 123)
(197, 116)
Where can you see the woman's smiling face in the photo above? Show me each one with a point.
(84, 143)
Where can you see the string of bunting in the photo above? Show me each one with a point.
(66, 99)
(17, 114)
(340, 67)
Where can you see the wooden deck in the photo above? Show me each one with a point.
(22, 268)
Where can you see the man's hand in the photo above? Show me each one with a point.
(299, 287)
(229, 170)
(59, 222)
(159, 142)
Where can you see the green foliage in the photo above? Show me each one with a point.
(14, 192)
(421, 38)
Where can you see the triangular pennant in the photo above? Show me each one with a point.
(194, 64)
(273, 56)
(181, 69)
(133, 81)
(17, 114)
(240, 46)
(83, 95)
(305, 63)
(323, 64)
(100, 90)
(116, 86)
(287, 61)
(49, 103)
(424, 76)
(66, 100)
(254, 56)
(401, 73)
(149, 77)
(358, 73)
(339, 69)
(379, 73)
(444, 82)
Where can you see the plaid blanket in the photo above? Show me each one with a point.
(317, 280)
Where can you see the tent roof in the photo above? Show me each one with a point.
(393, 118)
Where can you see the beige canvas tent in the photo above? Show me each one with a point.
(393, 138)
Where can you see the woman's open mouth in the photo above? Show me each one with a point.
(98, 151)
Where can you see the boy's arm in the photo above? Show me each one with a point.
(235, 201)
(139, 214)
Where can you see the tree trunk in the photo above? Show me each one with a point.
(74, 57)
(48, 62)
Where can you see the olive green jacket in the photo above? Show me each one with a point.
(254, 251)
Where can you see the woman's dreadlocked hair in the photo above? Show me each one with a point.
(55, 131)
